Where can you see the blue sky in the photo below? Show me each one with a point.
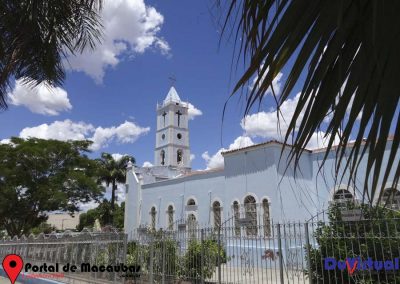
(110, 95)
(130, 90)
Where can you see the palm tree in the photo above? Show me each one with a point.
(36, 36)
(112, 172)
(344, 55)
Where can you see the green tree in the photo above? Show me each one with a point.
(43, 228)
(38, 176)
(119, 216)
(36, 36)
(87, 219)
(103, 213)
(161, 252)
(375, 237)
(201, 259)
(112, 172)
(342, 56)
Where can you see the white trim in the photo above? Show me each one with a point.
(167, 216)
(156, 221)
(252, 194)
(265, 197)
(192, 197)
(342, 187)
(233, 200)
(387, 186)
(216, 199)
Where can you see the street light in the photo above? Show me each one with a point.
(62, 223)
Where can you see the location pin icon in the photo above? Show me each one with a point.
(13, 264)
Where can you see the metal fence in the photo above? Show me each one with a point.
(321, 250)
(318, 251)
(70, 248)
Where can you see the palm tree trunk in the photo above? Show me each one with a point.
(114, 187)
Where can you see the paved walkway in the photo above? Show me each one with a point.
(6, 281)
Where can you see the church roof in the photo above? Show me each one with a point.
(172, 96)
(316, 150)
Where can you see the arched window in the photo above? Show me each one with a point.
(390, 198)
(162, 155)
(170, 213)
(179, 156)
(153, 214)
(217, 214)
(192, 224)
(250, 208)
(266, 218)
(236, 216)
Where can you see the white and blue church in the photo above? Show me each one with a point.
(255, 182)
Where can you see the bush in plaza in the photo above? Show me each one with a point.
(158, 249)
(201, 259)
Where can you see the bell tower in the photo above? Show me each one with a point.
(172, 136)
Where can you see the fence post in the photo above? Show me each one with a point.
(202, 256)
(151, 261)
(280, 254)
(308, 253)
(125, 252)
(163, 258)
(218, 256)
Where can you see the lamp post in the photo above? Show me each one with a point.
(62, 223)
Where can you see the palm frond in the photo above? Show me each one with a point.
(36, 35)
(348, 51)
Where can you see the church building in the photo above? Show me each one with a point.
(255, 184)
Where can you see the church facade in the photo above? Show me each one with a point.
(255, 184)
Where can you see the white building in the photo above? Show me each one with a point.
(62, 221)
(255, 182)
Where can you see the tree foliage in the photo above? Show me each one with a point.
(201, 259)
(38, 176)
(113, 171)
(36, 36)
(103, 214)
(44, 228)
(343, 55)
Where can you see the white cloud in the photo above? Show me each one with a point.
(130, 27)
(192, 157)
(217, 160)
(266, 124)
(193, 111)
(276, 82)
(84, 207)
(42, 99)
(147, 164)
(59, 130)
(127, 132)
(5, 141)
(320, 140)
(118, 156)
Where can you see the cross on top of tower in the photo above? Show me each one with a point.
(172, 80)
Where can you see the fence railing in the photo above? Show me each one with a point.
(70, 248)
(317, 251)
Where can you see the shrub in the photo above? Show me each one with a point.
(201, 259)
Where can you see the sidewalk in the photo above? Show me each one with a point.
(6, 281)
